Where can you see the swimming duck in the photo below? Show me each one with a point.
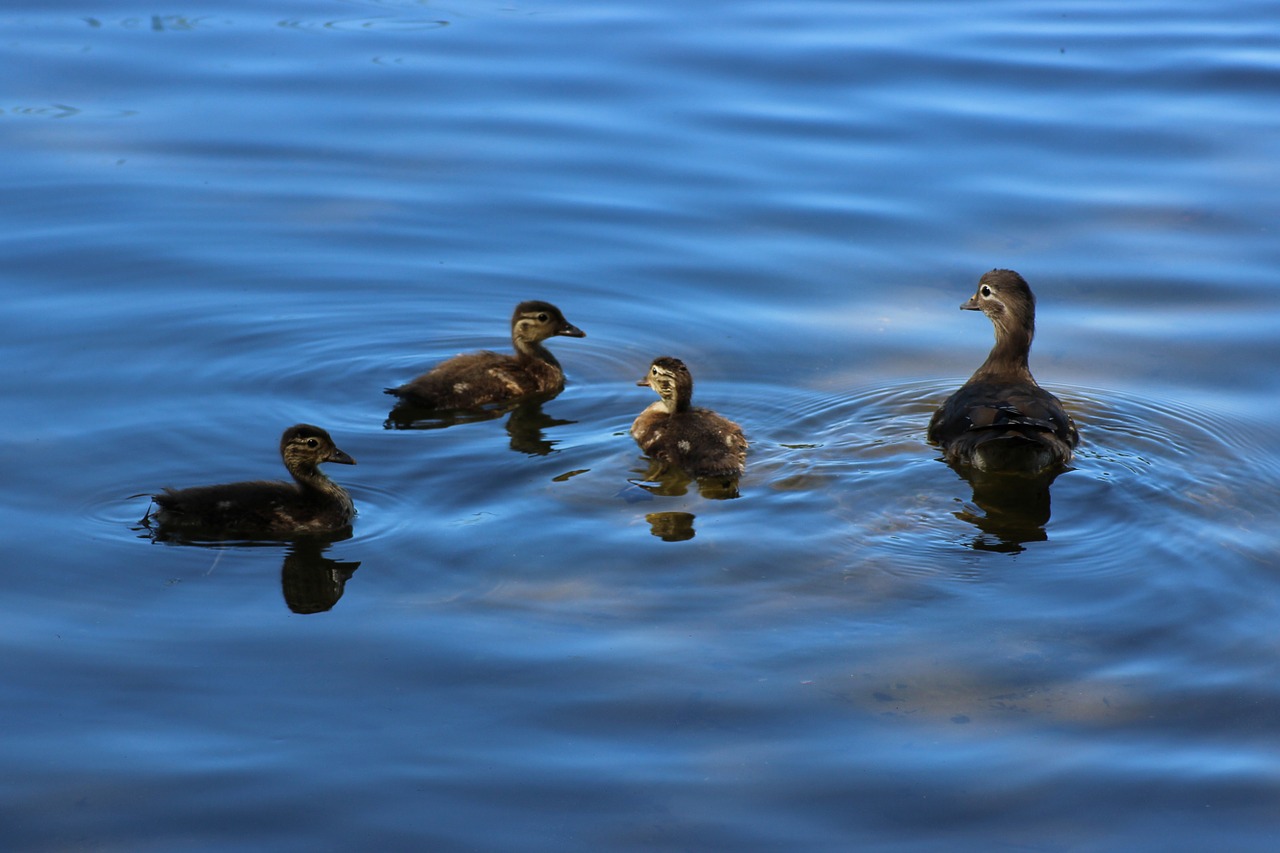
(676, 434)
(1001, 420)
(311, 504)
(477, 379)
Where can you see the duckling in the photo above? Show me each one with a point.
(1001, 420)
(311, 504)
(676, 434)
(476, 379)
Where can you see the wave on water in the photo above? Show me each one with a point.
(1147, 474)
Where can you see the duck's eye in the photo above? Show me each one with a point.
(654, 370)
(542, 318)
(311, 442)
(985, 291)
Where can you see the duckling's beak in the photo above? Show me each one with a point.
(340, 457)
(571, 331)
(644, 381)
(971, 305)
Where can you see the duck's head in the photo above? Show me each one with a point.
(1008, 302)
(304, 446)
(535, 321)
(672, 381)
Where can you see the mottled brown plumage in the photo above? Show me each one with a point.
(477, 379)
(678, 435)
(311, 504)
(1001, 420)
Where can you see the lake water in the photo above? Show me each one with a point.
(223, 219)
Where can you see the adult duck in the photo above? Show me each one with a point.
(1001, 420)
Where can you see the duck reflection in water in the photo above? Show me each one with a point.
(1001, 431)
(525, 424)
(671, 526)
(310, 581)
(659, 479)
(1011, 510)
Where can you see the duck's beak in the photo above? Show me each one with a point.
(340, 457)
(971, 305)
(644, 381)
(571, 331)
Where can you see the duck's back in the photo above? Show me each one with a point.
(254, 508)
(1003, 426)
(698, 441)
(481, 378)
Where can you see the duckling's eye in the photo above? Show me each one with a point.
(542, 318)
(311, 442)
(985, 291)
(654, 370)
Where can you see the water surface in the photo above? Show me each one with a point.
(222, 221)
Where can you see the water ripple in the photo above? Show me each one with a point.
(1147, 473)
(376, 24)
(66, 111)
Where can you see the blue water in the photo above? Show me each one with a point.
(225, 219)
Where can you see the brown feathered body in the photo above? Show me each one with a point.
(679, 435)
(1001, 420)
(477, 379)
(310, 504)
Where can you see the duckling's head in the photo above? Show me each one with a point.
(672, 381)
(304, 446)
(1008, 302)
(535, 321)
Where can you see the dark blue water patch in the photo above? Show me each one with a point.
(232, 220)
(668, 645)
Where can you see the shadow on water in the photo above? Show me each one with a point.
(525, 424)
(1009, 510)
(309, 581)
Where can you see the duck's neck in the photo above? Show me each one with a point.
(311, 479)
(533, 351)
(677, 403)
(1008, 359)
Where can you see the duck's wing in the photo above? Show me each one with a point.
(1025, 408)
(1002, 407)
(717, 447)
(1016, 427)
(465, 381)
(233, 506)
